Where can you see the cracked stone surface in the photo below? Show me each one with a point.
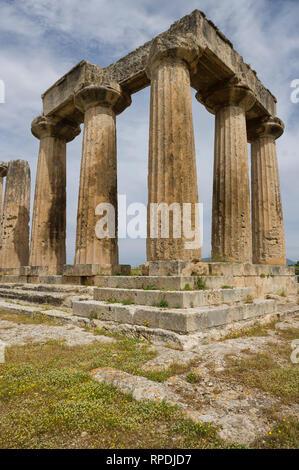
(19, 334)
(237, 409)
(166, 357)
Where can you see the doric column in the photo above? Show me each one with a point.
(3, 173)
(16, 214)
(98, 177)
(172, 176)
(49, 211)
(268, 242)
(231, 221)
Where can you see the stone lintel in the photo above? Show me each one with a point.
(218, 61)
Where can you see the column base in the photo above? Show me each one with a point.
(174, 268)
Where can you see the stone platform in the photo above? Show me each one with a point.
(169, 275)
(178, 303)
(221, 311)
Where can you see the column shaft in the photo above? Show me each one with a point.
(49, 213)
(172, 174)
(98, 184)
(16, 214)
(47, 247)
(231, 225)
(267, 222)
(3, 174)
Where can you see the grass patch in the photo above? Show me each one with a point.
(201, 283)
(162, 304)
(226, 287)
(284, 435)
(30, 319)
(112, 301)
(164, 374)
(248, 299)
(48, 399)
(187, 287)
(282, 293)
(288, 334)
(263, 372)
(256, 330)
(193, 378)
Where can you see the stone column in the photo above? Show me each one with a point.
(3, 174)
(172, 176)
(49, 212)
(98, 177)
(231, 221)
(268, 242)
(16, 214)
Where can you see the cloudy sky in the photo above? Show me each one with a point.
(42, 39)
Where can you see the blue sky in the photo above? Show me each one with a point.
(42, 39)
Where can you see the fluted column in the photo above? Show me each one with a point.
(172, 176)
(49, 211)
(98, 177)
(268, 241)
(3, 173)
(16, 214)
(231, 221)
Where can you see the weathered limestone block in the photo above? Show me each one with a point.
(268, 242)
(172, 174)
(16, 214)
(98, 178)
(49, 212)
(231, 221)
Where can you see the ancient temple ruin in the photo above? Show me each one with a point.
(248, 246)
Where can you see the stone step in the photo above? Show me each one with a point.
(33, 296)
(164, 282)
(182, 321)
(176, 299)
(62, 288)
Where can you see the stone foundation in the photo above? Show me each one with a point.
(166, 275)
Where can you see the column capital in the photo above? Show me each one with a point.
(44, 126)
(172, 48)
(232, 92)
(3, 169)
(107, 95)
(266, 126)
